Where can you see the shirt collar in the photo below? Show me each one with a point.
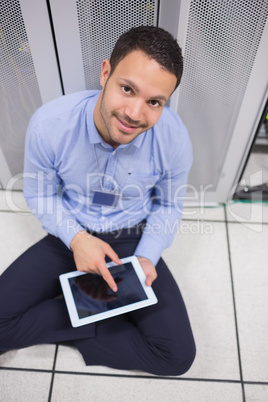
(94, 137)
(93, 134)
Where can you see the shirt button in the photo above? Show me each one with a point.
(113, 152)
(102, 218)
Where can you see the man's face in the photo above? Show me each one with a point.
(132, 98)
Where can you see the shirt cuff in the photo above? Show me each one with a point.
(67, 230)
(150, 248)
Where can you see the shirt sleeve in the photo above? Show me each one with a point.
(42, 186)
(166, 213)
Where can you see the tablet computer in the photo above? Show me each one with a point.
(89, 298)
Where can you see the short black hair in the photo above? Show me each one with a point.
(156, 43)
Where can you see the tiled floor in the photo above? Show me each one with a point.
(219, 260)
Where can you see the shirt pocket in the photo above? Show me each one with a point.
(138, 185)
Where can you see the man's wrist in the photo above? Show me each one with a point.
(76, 238)
(140, 257)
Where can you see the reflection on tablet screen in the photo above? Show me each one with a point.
(92, 295)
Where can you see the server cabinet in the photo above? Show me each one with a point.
(29, 77)
(86, 32)
(223, 91)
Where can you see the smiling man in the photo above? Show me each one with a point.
(105, 172)
(133, 97)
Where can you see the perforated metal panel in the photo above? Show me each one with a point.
(221, 43)
(101, 22)
(19, 91)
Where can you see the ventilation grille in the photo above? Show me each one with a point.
(221, 43)
(101, 22)
(19, 91)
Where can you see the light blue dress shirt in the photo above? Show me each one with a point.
(66, 161)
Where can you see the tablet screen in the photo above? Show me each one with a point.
(92, 295)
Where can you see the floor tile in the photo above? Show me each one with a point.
(249, 254)
(13, 201)
(69, 359)
(256, 393)
(200, 265)
(204, 213)
(247, 212)
(22, 386)
(19, 233)
(35, 357)
(113, 389)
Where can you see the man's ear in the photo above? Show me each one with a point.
(105, 72)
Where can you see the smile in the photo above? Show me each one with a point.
(125, 127)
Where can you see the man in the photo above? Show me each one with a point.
(98, 166)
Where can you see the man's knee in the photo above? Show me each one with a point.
(183, 362)
(177, 361)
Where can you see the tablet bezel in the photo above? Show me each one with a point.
(73, 314)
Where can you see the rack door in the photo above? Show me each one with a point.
(29, 77)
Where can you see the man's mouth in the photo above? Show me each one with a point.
(127, 125)
(127, 128)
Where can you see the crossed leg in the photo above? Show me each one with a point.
(157, 339)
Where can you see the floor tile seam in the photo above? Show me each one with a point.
(53, 374)
(144, 377)
(234, 305)
(224, 221)
(33, 370)
(255, 382)
(217, 380)
(203, 220)
(63, 372)
(4, 190)
(22, 212)
(248, 223)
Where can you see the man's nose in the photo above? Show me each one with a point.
(134, 110)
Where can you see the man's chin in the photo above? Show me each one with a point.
(124, 138)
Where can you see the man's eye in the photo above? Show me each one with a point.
(126, 89)
(155, 103)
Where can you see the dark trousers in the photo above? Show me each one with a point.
(156, 339)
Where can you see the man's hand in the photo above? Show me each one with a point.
(149, 270)
(89, 256)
